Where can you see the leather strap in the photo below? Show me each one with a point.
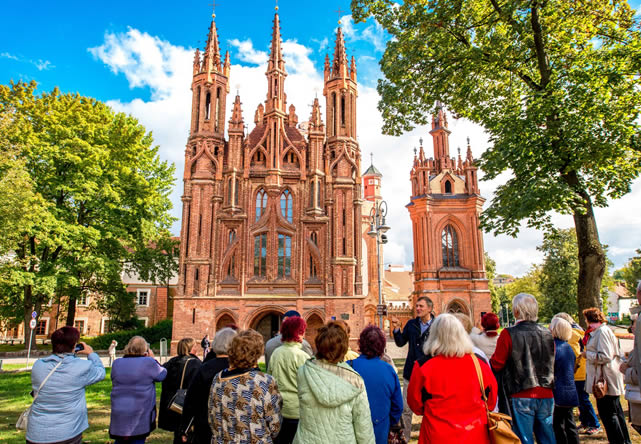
(183, 376)
(479, 374)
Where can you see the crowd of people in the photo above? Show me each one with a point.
(453, 376)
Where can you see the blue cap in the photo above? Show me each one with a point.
(291, 314)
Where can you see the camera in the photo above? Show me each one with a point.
(78, 348)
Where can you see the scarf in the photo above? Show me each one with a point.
(586, 337)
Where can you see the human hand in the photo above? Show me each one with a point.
(149, 353)
(395, 322)
(86, 350)
(184, 438)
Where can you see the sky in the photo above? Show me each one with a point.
(137, 56)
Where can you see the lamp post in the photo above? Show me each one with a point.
(377, 229)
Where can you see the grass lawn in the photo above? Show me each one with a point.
(15, 398)
(20, 347)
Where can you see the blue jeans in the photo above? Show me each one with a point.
(533, 417)
(587, 415)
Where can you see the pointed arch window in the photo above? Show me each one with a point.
(208, 106)
(261, 204)
(284, 256)
(286, 206)
(229, 191)
(236, 191)
(231, 268)
(449, 245)
(314, 237)
(342, 110)
(312, 267)
(260, 255)
(197, 108)
(232, 236)
(448, 187)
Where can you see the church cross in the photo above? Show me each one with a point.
(213, 5)
(371, 155)
(339, 11)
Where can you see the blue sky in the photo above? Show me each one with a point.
(137, 56)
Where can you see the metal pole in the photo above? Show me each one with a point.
(378, 266)
(29, 350)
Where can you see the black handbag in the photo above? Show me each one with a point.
(178, 400)
(396, 435)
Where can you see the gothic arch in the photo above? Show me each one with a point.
(448, 178)
(343, 153)
(292, 149)
(223, 314)
(457, 305)
(255, 315)
(203, 151)
(294, 201)
(315, 320)
(459, 230)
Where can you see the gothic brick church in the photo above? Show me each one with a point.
(272, 220)
(449, 263)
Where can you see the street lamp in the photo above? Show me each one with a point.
(377, 229)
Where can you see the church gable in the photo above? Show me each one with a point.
(438, 184)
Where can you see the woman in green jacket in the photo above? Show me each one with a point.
(332, 397)
(283, 366)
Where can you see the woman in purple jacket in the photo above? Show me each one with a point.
(133, 396)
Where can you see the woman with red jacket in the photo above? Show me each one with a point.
(446, 389)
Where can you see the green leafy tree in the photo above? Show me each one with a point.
(525, 284)
(105, 193)
(554, 83)
(490, 271)
(631, 273)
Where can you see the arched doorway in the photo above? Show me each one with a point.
(224, 321)
(457, 307)
(267, 324)
(314, 322)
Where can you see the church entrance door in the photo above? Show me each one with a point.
(267, 324)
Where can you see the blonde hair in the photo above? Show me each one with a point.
(526, 306)
(465, 321)
(448, 338)
(561, 328)
(184, 346)
(137, 346)
(565, 316)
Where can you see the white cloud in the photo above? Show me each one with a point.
(147, 61)
(372, 33)
(41, 65)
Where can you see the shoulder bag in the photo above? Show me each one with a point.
(600, 386)
(498, 424)
(396, 435)
(21, 424)
(178, 400)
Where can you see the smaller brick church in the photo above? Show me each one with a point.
(449, 263)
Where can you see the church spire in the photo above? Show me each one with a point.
(441, 136)
(212, 49)
(339, 65)
(276, 55)
(275, 73)
(236, 121)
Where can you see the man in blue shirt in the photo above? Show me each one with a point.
(415, 333)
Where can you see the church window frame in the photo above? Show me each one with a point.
(448, 187)
(287, 205)
(230, 191)
(217, 110)
(450, 247)
(343, 111)
(261, 203)
(207, 105)
(236, 191)
(284, 256)
(260, 255)
(313, 272)
(197, 110)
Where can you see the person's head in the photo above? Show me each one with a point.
(490, 322)
(344, 325)
(561, 329)
(137, 346)
(293, 329)
(593, 315)
(424, 307)
(291, 314)
(372, 342)
(465, 321)
(448, 338)
(245, 349)
(64, 339)
(566, 317)
(331, 342)
(525, 307)
(114, 342)
(184, 346)
(639, 292)
(222, 341)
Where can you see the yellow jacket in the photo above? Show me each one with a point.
(575, 340)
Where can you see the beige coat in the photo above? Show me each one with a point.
(602, 355)
(634, 360)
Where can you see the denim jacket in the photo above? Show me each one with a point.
(60, 410)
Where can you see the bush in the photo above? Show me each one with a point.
(151, 334)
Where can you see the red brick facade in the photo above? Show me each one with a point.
(271, 220)
(449, 265)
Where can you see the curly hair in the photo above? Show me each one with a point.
(331, 342)
(293, 329)
(372, 342)
(593, 314)
(245, 349)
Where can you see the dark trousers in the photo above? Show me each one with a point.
(565, 430)
(613, 419)
(587, 415)
(74, 440)
(287, 431)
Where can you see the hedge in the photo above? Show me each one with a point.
(152, 334)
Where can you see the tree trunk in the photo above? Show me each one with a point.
(28, 308)
(71, 311)
(592, 261)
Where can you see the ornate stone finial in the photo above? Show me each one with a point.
(414, 151)
(420, 141)
(213, 9)
(276, 7)
(371, 155)
(459, 150)
(468, 141)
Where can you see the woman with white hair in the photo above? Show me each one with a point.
(196, 408)
(446, 389)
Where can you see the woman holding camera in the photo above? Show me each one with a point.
(133, 395)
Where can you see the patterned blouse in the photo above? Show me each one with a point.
(244, 407)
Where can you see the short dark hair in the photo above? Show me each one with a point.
(593, 314)
(427, 300)
(291, 314)
(292, 329)
(245, 349)
(331, 342)
(64, 339)
(372, 342)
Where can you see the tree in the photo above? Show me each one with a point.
(554, 83)
(105, 193)
(631, 273)
(490, 271)
(526, 284)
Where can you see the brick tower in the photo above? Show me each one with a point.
(445, 206)
(271, 220)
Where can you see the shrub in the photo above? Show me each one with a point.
(151, 334)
